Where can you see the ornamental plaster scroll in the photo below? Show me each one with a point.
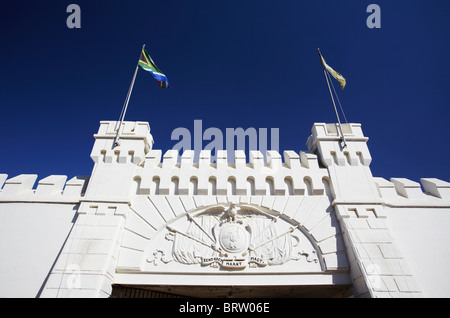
(232, 237)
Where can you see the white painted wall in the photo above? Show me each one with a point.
(423, 236)
(31, 236)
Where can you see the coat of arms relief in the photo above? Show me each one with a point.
(232, 237)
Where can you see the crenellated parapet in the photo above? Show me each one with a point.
(118, 148)
(133, 142)
(54, 188)
(348, 167)
(325, 141)
(402, 191)
(297, 174)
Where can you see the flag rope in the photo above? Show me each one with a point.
(344, 143)
(337, 97)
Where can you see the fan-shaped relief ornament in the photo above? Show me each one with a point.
(233, 238)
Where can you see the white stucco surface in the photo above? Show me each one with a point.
(423, 236)
(31, 235)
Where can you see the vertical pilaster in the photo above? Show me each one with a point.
(377, 268)
(86, 265)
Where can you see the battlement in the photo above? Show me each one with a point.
(134, 141)
(324, 141)
(53, 188)
(299, 174)
(400, 191)
(129, 129)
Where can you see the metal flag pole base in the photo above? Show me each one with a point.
(342, 141)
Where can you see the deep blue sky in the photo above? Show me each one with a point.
(231, 64)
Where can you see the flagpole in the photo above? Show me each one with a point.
(124, 109)
(332, 99)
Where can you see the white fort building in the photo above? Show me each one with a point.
(309, 224)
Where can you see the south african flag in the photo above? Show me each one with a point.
(146, 62)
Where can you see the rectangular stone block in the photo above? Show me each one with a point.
(371, 236)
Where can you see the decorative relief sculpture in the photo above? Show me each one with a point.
(233, 238)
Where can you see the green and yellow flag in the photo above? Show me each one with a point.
(335, 74)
